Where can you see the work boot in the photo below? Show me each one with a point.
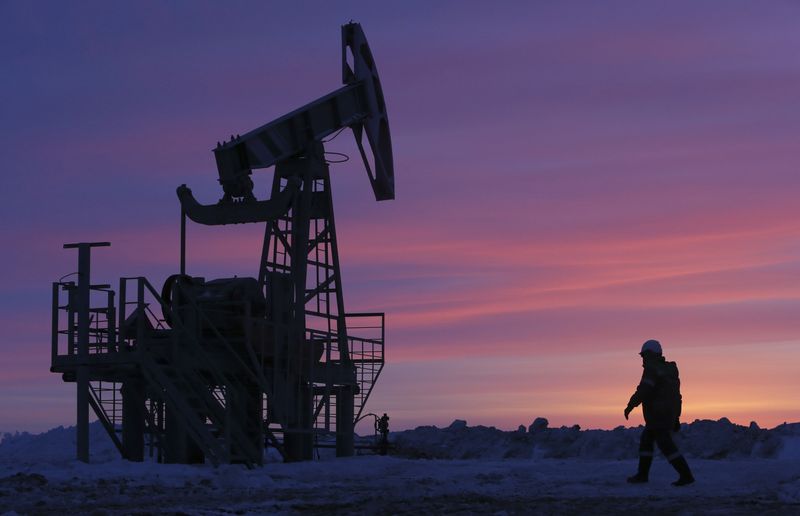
(642, 475)
(682, 467)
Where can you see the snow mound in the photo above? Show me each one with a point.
(701, 439)
(56, 445)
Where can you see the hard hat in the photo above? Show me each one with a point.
(652, 346)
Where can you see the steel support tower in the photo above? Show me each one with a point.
(214, 370)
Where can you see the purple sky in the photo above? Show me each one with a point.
(572, 179)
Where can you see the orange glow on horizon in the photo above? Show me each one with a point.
(591, 389)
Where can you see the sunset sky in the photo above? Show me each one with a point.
(572, 179)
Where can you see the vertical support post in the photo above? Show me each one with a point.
(123, 345)
(82, 299)
(299, 438)
(344, 421)
(133, 417)
(54, 334)
(345, 395)
(141, 311)
(112, 323)
(183, 241)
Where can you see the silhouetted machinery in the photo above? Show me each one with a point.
(218, 369)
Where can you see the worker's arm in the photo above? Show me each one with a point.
(643, 392)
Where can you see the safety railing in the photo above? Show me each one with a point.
(102, 330)
(366, 352)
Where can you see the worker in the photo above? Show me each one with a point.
(382, 425)
(659, 393)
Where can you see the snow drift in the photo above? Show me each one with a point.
(704, 439)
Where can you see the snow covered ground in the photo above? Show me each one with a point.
(459, 469)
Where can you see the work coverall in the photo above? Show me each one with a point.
(660, 396)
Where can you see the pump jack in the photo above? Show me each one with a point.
(230, 364)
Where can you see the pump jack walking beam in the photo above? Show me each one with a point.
(359, 104)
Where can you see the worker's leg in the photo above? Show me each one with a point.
(645, 457)
(675, 458)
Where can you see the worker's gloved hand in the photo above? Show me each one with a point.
(628, 411)
(677, 426)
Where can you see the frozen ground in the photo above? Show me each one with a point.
(476, 470)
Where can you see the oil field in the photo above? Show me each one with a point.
(231, 285)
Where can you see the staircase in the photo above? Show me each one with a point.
(195, 389)
(106, 401)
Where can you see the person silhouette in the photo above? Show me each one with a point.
(382, 425)
(659, 393)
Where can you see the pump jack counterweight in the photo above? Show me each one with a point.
(217, 369)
